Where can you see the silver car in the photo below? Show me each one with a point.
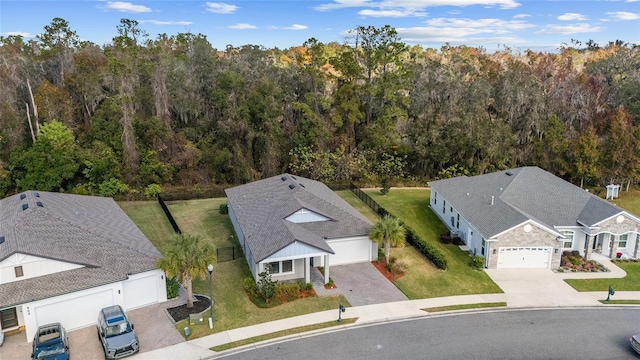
(635, 343)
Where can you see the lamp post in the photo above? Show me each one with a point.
(210, 268)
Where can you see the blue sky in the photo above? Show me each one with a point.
(540, 25)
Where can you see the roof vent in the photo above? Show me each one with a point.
(1, 239)
(293, 177)
(291, 186)
(39, 203)
(25, 207)
(301, 184)
(23, 196)
(36, 194)
(509, 173)
(283, 178)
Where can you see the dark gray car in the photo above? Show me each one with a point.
(116, 333)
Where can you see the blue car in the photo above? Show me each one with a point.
(51, 343)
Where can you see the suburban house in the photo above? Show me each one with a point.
(527, 217)
(64, 257)
(292, 223)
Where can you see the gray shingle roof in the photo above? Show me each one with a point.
(85, 230)
(527, 193)
(262, 206)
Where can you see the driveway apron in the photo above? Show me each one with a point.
(537, 288)
(363, 284)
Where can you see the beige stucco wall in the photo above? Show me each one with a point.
(517, 237)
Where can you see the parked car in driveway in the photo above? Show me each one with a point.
(116, 334)
(50, 343)
(635, 343)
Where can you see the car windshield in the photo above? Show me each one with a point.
(48, 350)
(118, 329)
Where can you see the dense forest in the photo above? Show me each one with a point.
(139, 114)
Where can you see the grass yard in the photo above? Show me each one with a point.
(232, 307)
(631, 282)
(629, 200)
(422, 279)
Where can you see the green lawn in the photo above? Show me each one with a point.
(232, 307)
(423, 280)
(629, 200)
(631, 282)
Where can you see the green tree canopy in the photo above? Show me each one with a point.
(187, 258)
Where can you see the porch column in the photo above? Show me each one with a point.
(307, 270)
(326, 269)
(589, 247)
(614, 245)
(635, 252)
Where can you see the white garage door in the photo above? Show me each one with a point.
(524, 257)
(140, 292)
(76, 312)
(350, 251)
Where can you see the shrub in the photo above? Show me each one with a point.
(400, 265)
(224, 209)
(266, 286)
(308, 286)
(288, 291)
(173, 287)
(152, 191)
(477, 262)
(428, 250)
(575, 260)
(250, 285)
(112, 187)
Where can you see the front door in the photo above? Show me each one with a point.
(8, 318)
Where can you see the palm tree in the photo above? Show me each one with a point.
(187, 258)
(388, 231)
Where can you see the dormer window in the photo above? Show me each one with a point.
(18, 270)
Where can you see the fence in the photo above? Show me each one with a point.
(368, 200)
(164, 207)
(228, 253)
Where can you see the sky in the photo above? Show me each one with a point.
(539, 25)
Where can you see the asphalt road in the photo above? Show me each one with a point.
(510, 334)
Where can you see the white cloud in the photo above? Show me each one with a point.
(127, 7)
(569, 29)
(492, 25)
(411, 6)
(221, 8)
(521, 16)
(296, 27)
(623, 15)
(392, 13)
(571, 17)
(25, 35)
(241, 26)
(159, 22)
(632, 1)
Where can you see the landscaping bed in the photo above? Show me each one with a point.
(182, 312)
(571, 261)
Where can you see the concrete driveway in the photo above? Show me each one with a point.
(363, 284)
(537, 288)
(153, 326)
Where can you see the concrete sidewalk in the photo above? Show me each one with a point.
(523, 293)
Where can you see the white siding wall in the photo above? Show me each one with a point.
(305, 216)
(32, 266)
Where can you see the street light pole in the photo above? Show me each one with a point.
(210, 268)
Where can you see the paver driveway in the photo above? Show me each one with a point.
(363, 284)
(152, 325)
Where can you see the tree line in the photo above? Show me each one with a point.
(142, 114)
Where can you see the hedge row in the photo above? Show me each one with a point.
(428, 250)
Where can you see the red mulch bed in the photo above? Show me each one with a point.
(380, 265)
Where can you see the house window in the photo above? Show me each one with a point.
(281, 267)
(18, 270)
(444, 206)
(568, 242)
(435, 197)
(458, 222)
(483, 245)
(622, 243)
